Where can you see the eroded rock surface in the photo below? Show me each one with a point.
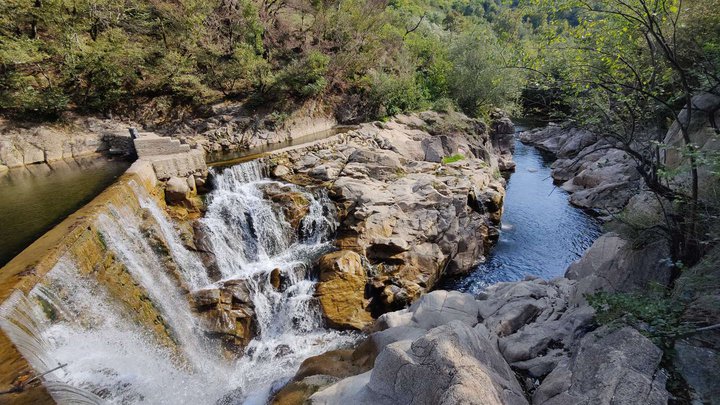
(517, 343)
(419, 197)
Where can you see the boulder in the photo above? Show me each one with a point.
(177, 191)
(297, 392)
(612, 264)
(700, 368)
(280, 171)
(609, 367)
(441, 307)
(450, 364)
(341, 290)
(228, 312)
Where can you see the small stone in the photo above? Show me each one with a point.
(176, 190)
(275, 278)
(280, 171)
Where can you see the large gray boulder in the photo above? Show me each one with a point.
(610, 367)
(451, 364)
(612, 264)
(441, 307)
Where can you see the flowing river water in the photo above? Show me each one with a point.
(73, 319)
(542, 233)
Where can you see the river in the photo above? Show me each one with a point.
(542, 233)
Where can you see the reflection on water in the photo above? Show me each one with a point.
(541, 232)
(35, 198)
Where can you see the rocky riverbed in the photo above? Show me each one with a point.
(378, 216)
(535, 341)
(419, 198)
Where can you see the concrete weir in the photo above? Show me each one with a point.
(77, 238)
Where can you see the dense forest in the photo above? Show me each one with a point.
(365, 59)
(625, 92)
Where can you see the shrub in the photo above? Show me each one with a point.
(305, 77)
(654, 313)
(452, 159)
(395, 94)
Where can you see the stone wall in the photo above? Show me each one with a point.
(32, 144)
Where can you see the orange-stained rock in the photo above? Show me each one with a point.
(341, 290)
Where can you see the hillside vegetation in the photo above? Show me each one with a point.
(363, 58)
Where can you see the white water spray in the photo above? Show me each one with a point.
(72, 318)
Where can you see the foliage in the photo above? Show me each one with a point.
(114, 56)
(452, 159)
(654, 313)
(481, 77)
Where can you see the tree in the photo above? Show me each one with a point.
(630, 71)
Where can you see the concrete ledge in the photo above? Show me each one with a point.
(150, 144)
(178, 164)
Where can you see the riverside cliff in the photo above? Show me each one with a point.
(419, 198)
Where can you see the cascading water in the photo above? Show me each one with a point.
(71, 319)
(250, 240)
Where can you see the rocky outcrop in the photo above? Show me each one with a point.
(516, 343)
(22, 145)
(609, 367)
(502, 132)
(228, 313)
(703, 132)
(232, 127)
(613, 264)
(697, 357)
(597, 175)
(419, 197)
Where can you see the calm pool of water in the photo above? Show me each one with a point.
(36, 198)
(541, 232)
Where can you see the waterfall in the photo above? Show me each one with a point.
(72, 318)
(251, 238)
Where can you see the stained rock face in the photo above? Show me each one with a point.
(341, 290)
(413, 217)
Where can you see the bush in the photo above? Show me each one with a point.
(478, 81)
(305, 77)
(654, 313)
(452, 159)
(395, 94)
